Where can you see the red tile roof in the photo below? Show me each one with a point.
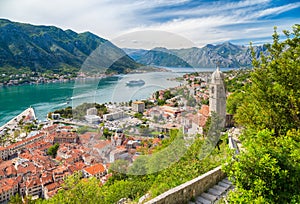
(10, 170)
(202, 121)
(95, 169)
(52, 186)
(156, 141)
(204, 110)
(7, 184)
(33, 181)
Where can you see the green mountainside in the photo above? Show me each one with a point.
(227, 54)
(44, 48)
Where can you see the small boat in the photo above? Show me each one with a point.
(139, 82)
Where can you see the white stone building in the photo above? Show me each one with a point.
(217, 95)
(138, 106)
(91, 111)
(114, 116)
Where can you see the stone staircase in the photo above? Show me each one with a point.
(215, 193)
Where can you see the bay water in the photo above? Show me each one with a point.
(45, 98)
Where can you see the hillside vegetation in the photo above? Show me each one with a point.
(268, 170)
(42, 48)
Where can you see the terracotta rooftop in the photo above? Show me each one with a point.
(7, 184)
(202, 121)
(102, 144)
(33, 181)
(52, 186)
(47, 179)
(156, 140)
(95, 169)
(24, 141)
(10, 170)
(4, 164)
(204, 110)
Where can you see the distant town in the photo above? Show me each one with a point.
(23, 76)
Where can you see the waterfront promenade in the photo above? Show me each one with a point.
(14, 122)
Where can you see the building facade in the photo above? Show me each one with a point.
(217, 96)
(113, 116)
(138, 106)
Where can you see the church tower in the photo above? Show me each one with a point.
(217, 95)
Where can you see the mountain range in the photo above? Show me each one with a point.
(50, 48)
(44, 48)
(226, 54)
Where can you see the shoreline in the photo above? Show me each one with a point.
(17, 118)
(65, 93)
(102, 76)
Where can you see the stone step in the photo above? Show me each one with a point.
(227, 181)
(219, 188)
(201, 200)
(209, 196)
(215, 192)
(225, 185)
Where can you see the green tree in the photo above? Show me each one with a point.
(106, 133)
(268, 172)
(205, 102)
(29, 127)
(234, 101)
(161, 102)
(168, 95)
(119, 168)
(53, 150)
(207, 126)
(83, 129)
(16, 199)
(273, 100)
(77, 190)
(139, 167)
(138, 115)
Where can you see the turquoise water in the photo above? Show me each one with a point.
(45, 98)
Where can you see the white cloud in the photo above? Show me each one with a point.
(215, 8)
(277, 10)
(216, 27)
(209, 23)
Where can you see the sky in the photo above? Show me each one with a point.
(168, 23)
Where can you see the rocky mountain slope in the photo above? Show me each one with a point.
(227, 54)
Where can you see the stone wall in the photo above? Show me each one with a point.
(185, 192)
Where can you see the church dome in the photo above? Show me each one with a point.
(217, 77)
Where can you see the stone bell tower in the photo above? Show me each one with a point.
(217, 95)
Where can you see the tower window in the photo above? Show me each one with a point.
(212, 90)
